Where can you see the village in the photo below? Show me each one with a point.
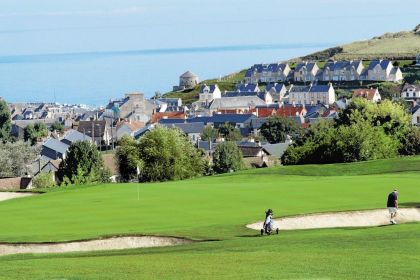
(304, 94)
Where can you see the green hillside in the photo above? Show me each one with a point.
(217, 208)
(395, 46)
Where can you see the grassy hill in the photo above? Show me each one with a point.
(217, 208)
(395, 46)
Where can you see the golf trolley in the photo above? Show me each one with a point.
(267, 229)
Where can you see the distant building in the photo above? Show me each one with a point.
(128, 128)
(72, 136)
(237, 104)
(312, 94)
(277, 91)
(241, 87)
(382, 70)
(371, 94)
(99, 131)
(186, 81)
(267, 73)
(54, 149)
(306, 72)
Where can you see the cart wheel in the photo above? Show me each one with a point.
(277, 230)
(262, 231)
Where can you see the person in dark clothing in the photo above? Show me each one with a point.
(392, 205)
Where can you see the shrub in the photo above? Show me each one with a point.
(227, 157)
(44, 180)
(276, 129)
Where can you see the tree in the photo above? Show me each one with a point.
(83, 164)
(33, 133)
(276, 129)
(44, 180)
(209, 133)
(229, 132)
(57, 126)
(167, 154)
(5, 121)
(227, 157)
(127, 158)
(15, 158)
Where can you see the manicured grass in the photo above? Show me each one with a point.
(217, 208)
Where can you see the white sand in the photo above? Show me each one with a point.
(114, 243)
(11, 195)
(366, 218)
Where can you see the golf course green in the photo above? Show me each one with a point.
(214, 210)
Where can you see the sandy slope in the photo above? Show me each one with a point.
(114, 243)
(11, 195)
(366, 218)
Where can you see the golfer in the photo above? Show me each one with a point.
(392, 205)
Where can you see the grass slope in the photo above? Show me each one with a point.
(218, 208)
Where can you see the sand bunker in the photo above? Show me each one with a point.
(366, 218)
(11, 195)
(114, 243)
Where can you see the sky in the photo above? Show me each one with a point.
(68, 26)
(88, 51)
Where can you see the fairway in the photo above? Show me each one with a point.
(215, 210)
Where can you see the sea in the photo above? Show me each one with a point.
(92, 78)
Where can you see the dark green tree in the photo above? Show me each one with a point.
(34, 133)
(276, 129)
(227, 157)
(127, 158)
(209, 133)
(83, 164)
(5, 121)
(229, 132)
(57, 126)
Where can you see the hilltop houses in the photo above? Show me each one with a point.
(342, 70)
(382, 70)
(371, 94)
(267, 73)
(312, 94)
(306, 72)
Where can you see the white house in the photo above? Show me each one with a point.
(128, 128)
(371, 94)
(277, 91)
(411, 92)
(208, 93)
(415, 118)
(382, 70)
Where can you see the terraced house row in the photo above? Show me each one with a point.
(344, 70)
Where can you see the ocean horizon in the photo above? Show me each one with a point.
(93, 78)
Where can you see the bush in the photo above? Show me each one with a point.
(44, 180)
(227, 157)
(276, 129)
(127, 158)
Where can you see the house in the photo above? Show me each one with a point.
(382, 70)
(342, 70)
(132, 107)
(168, 104)
(99, 131)
(312, 94)
(143, 131)
(306, 72)
(265, 96)
(411, 92)
(371, 94)
(276, 150)
(72, 136)
(167, 115)
(192, 130)
(277, 91)
(186, 81)
(208, 93)
(415, 117)
(279, 109)
(267, 73)
(252, 151)
(128, 128)
(237, 120)
(54, 149)
(241, 103)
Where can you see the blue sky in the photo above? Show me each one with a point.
(63, 26)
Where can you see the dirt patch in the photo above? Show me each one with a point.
(11, 195)
(114, 243)
(366, 218)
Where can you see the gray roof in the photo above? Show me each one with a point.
(276, 150)
(247, 87)
(188, 128)
(74, 135)
(236, 102)
(56, 145)
(277, 87)
(210, 88)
